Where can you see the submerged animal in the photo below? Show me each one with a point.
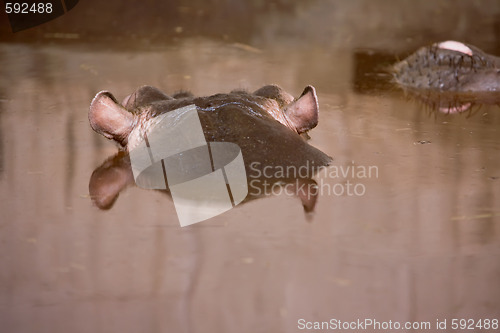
(450, 76)
(268, 126)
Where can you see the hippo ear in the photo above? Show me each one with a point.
(109, 118)
(303, 112)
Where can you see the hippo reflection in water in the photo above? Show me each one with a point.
(268, 125)
(450, 76)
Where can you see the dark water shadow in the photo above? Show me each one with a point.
(115, 175)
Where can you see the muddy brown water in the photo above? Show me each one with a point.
(417, 239)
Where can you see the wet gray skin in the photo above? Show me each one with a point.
(268, 126)
(450, 76)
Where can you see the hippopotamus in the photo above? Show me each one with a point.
(450, 76)
(269, 126)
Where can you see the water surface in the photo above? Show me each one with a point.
(420, 243)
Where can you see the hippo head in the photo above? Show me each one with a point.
(121, 122)
(268, 126)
